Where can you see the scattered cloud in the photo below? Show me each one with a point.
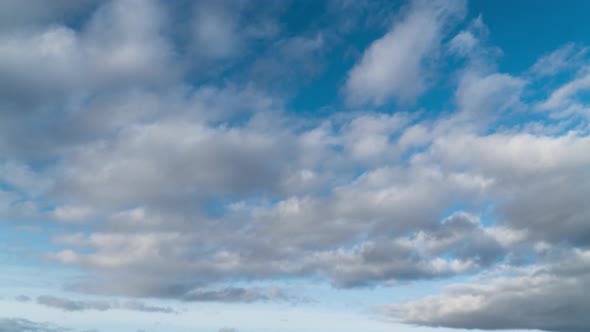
(71, 305)
(398, 64)
(567, 57)
(98, 305)
(146, 147)
(24, 325)
(547, 297)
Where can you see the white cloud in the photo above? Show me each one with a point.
(488, 95)
(568, 56)
(398, 64)
(180, 190)
(563, 101)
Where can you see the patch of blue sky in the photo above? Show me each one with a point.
(525, 30)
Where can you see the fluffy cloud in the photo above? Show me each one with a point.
(548, 297)
(111, 50)
(397, 64)
(165, 187)
(52, 71)
(375, 228)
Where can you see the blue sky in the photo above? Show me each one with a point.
(251, 166)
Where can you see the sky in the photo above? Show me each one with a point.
(294, 166)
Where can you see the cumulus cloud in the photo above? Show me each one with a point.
(398, 64)
(165, 187)
(380, 217)
(111, 50)
(548, 297)
(51, 71)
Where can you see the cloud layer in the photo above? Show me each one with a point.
(158, 151)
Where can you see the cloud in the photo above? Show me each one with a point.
(140, 306)
(483, 95)
(99, 305)
(547, 297)
(246, 295)
(522, 165)
(52, 71)
(24, 325)
(111, 50)
(22, 298)
(564, 102)
(216, 31)
(70, 305)
(15, 14)
(398, 64)
(162, 186)
(568, 56)
(480, 94)
(344, 234)
(231, 160)
(472, 44)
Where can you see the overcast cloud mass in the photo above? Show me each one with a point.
(158, 158)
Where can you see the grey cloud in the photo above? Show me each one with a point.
(22, 298)
(460, 236)
(229, 161)
(216, 31)
(235, 294)
(99, 305)
(459, 167)
(24, 325)
(50, 72)
(179, 191)
(222, 33)
(25, 13)
(140, 306)
(549, 297)
(525, 165)
(375, 259)
(71, 305)
(110, 51)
